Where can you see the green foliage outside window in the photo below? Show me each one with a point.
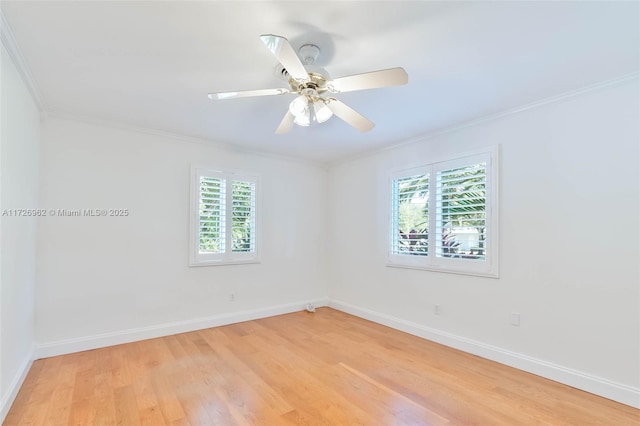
(413, 215)
(463, 207)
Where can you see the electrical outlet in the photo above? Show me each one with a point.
(515, 319)
(437, 309)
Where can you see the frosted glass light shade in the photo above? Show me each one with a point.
(305, 110)
(303, 120)
(299, 107)
(322, 111)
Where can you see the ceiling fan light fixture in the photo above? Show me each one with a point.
(305, 110)
(299, 106)
(322, 111)
(303, 120)
(300, 109)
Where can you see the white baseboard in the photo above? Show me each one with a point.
(577, 379)
(14, 387)
(61, 347)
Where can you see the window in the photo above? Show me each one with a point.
(444, 216)
(223, 217)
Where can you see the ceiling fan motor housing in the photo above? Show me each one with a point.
(316, 85)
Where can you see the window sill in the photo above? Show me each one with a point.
(223, 262)
(434, 268)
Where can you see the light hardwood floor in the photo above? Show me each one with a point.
(327, 368)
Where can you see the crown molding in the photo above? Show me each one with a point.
(210, 143)
(492, 117)
(9, 42)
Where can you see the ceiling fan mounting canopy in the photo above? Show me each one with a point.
(311, 84)
(309, 53)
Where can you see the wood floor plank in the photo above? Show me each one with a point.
(394, 407)
(104, 407)
(126, 410)
(326, 368)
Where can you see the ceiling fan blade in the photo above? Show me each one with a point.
(247, 93)
(283, 51)
(286, 124)
(349, 115)
(370, 80)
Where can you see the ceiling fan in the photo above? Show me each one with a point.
(314, 87)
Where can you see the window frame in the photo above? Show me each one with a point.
(431, 262)
(227, 256)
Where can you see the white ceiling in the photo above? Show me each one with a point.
(151, 63)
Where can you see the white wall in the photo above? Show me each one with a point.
(117, 275)
(19, 153)
(568, 247)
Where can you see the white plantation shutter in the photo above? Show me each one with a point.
(243, 216)
(444, 216)
(410, 224)
(211, 225)
(461, 212)
(223, 217)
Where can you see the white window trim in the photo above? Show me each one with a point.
(487, 268)
(196, 258)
